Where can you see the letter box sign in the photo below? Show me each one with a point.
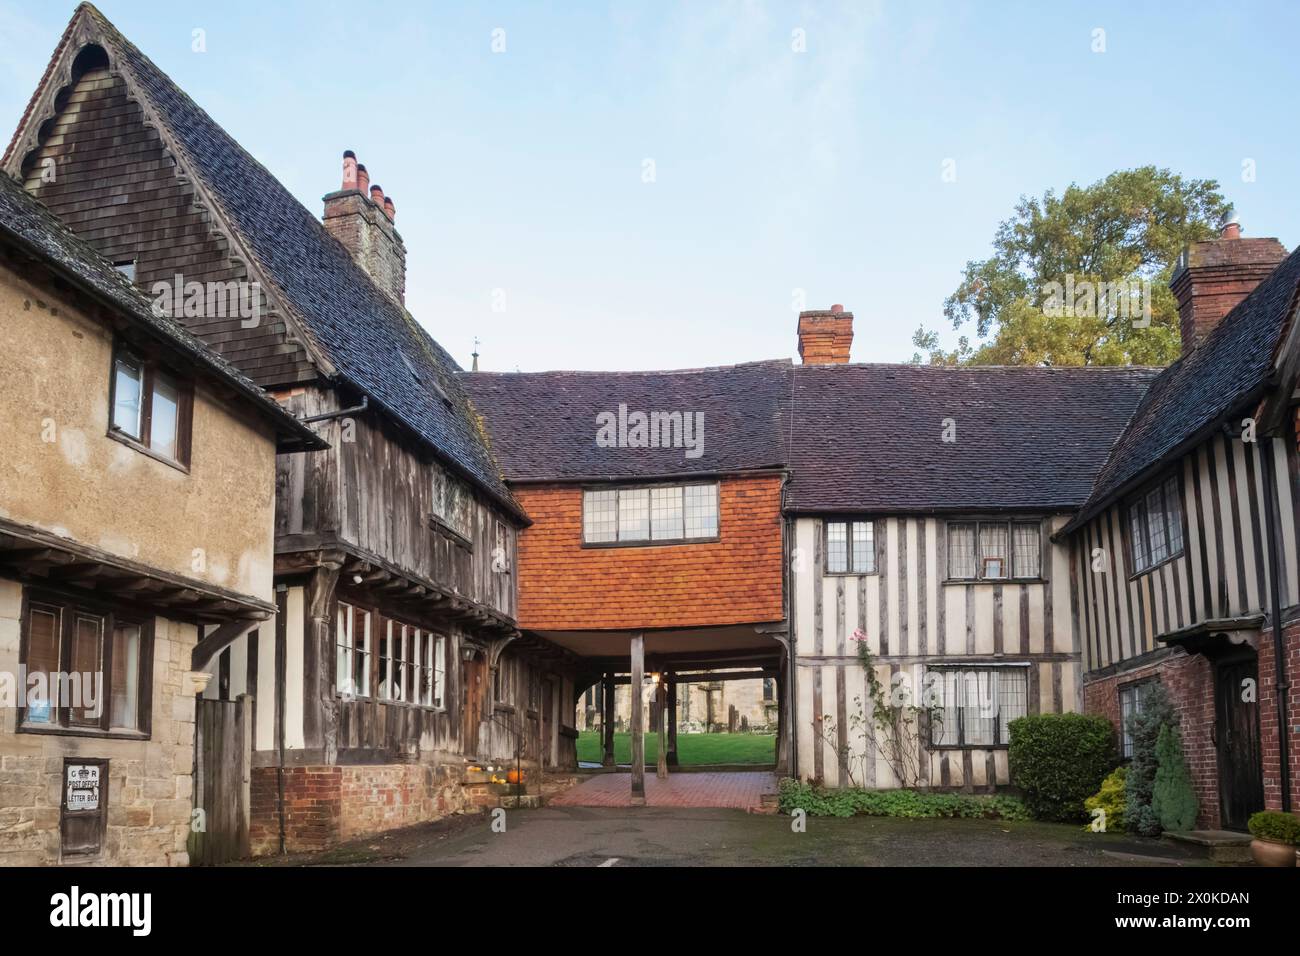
(85, 805)
(83, 786)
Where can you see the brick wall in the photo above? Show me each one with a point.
(1268, 729)
(1189, 680)
(737, 579)
(326, 805)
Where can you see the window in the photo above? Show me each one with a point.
(1132, 699)
(452, 504)
(352, 652)
(151, 408)
(850, 547)
(1155, 524)
(977, 705)
(92, 665)
(392, 661)
(994, 550)
(650, 514)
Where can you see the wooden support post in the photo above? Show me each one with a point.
(638, 721)
(607, 719)
(672, 719)
(661, 702)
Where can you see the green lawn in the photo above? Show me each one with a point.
(692, 749)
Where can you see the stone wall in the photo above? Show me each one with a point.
(150, 781)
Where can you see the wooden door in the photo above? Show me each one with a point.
(472, 688)
(1241, 783)
(223, 744)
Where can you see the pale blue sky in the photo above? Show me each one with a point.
(775, 171)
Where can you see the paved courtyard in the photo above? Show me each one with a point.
(739, 791)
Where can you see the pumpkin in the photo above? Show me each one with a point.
(515, 776)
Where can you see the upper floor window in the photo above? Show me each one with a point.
(92, 665)
(1155, 523)
(850, 547)
(994, 550)
(452, 503)
(152, 409)
(650, 515)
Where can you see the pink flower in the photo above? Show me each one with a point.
(859, 635)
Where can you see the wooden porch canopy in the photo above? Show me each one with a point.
(33, 554)
(1216, 637)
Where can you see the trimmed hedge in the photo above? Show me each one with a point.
(822, 802)
(1276, 826)
(1058, 761)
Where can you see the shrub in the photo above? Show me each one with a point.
(848, 802)
(1058, 760)
(1144, 729)
(1172, 799)
(1110, 801)
(1276, 826)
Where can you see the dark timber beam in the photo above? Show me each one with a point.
(661, 705)
(672, 719)
(217, 641)
(638, 721)
(607, 719)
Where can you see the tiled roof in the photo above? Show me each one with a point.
(870, 438)
(33, 228)
(855, 437)
(1224, 373)
(544, 424)
(374, 345)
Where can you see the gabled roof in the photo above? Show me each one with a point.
(869, 438)
(29, 226)
(360, 336)
(544, 424)
(1227, 372)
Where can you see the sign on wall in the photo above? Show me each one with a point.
(85, 805)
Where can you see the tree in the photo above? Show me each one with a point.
(1172, 800)
(1122, 233)
(1139, 785)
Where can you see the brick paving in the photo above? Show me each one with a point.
(740, 791)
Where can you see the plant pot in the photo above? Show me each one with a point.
(1268, 853)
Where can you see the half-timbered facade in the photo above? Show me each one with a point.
(1184, 556)
(127, 527)
(394, 661)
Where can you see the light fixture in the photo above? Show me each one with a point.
(356, 579)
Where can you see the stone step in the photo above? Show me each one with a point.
(1219, 846)
(527, 801)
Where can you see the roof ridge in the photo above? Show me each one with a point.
(772, 363)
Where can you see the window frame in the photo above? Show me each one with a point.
(429, 643)
(150, 369)
(1018, 668)
(111, 616)
(849, 521)
(1137, 688)
(1139, 497)
(439, 519)
(650, 541)
(978, 523)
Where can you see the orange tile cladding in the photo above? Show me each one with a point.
(735, 580)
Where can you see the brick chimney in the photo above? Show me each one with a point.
(825, 337)
(361, 217)
(1213, 276)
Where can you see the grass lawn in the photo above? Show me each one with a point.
(692, 749)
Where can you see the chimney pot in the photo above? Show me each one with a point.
(363, 179)
(389, 209)
(377, 194)
(349, 170)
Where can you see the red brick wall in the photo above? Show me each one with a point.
(1189, 680)
(737, 579)
(1268, 716)
(327, 805)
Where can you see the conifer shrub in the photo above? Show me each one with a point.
(1139, 784)
(1172, 800)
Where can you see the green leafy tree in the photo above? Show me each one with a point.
(1172, 800)
(1127, 228)
(1139, 784)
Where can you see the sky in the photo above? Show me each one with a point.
(664, 185)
